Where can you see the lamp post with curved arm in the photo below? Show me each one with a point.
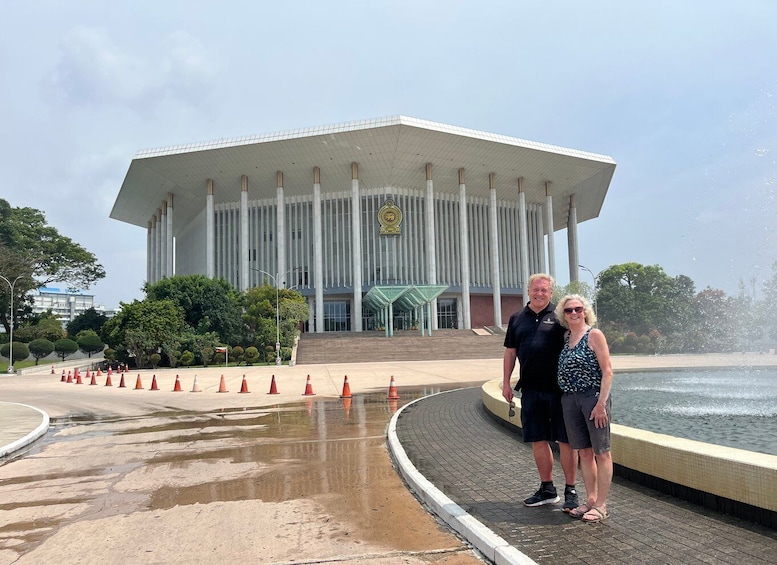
(10, 342)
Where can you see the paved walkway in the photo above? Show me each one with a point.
(487, 470)
(476, 466)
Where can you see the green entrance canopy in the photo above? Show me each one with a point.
(381, 299)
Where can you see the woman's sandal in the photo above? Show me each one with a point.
(595, 514)
(579, 512)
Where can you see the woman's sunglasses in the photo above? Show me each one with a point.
(576, 310)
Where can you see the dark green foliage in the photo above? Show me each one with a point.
(65, 347)
(89, 319)
(40, 348)
(20, 351)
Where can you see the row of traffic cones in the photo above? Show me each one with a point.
(76, 378)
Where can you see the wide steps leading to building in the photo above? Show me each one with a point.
(347, 347)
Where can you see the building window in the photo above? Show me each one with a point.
(337, 316)
(446, 313)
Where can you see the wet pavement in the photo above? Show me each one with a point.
(137, 475)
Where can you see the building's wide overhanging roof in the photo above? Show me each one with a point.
(391, 152)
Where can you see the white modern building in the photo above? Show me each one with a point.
(65, 304)
(389, 221)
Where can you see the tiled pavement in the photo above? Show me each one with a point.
(487, 470)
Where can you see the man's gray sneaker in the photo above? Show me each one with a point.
(570, 499)
(545, 495)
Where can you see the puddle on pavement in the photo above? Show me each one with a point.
(332, 450)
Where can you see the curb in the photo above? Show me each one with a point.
(492, 546)
(21, 443)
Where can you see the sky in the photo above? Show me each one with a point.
(682, 95)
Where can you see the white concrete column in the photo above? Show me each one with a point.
(464, 237)
(549, 222)
(496, 280)
(572, 249)
(158, 246)
(431, 241)
(356, 247)
(163, 241)
(280, 233)
(210, 243)
(169, 242)
(244, 272)
(318, 253)
(149, 250)
(524, 240)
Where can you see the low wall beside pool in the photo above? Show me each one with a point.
(734, 481)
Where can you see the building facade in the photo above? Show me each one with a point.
(64, 304)
(457, 218)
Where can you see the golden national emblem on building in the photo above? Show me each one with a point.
(390, 218)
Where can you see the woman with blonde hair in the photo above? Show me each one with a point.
(585, 377)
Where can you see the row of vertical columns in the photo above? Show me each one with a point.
(159, 243)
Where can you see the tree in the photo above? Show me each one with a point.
(251, 355)
(770, 297)
(40, 348)
(89, 342)
(643, 298)
(208, 305)
(89, 319)
(260, 315)
(20, 351)
(41, 255)
(65, 347)
(144, 327)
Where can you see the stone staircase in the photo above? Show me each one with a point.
(347, 347)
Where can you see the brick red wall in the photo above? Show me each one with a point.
(482, 308)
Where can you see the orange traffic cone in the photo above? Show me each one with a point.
(392, 393)
(78, 379)
(177, 387)
(273, 387)
(153, 383)
(99, 372)
(121, 382)
(308, 389)
(138, 384)
(69, 377)
(110, 371)
(346, 388)
(87, 373)
(64, 377)
(108, 380)
(222, 385)
(52, 369)
(94, 379)
(195, 386)
(244, 386)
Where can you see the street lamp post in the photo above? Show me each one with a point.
(277, 312)
(10, 342)
(590, 272)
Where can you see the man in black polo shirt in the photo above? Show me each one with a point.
(535, 338)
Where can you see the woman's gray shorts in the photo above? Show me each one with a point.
(581, 430)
